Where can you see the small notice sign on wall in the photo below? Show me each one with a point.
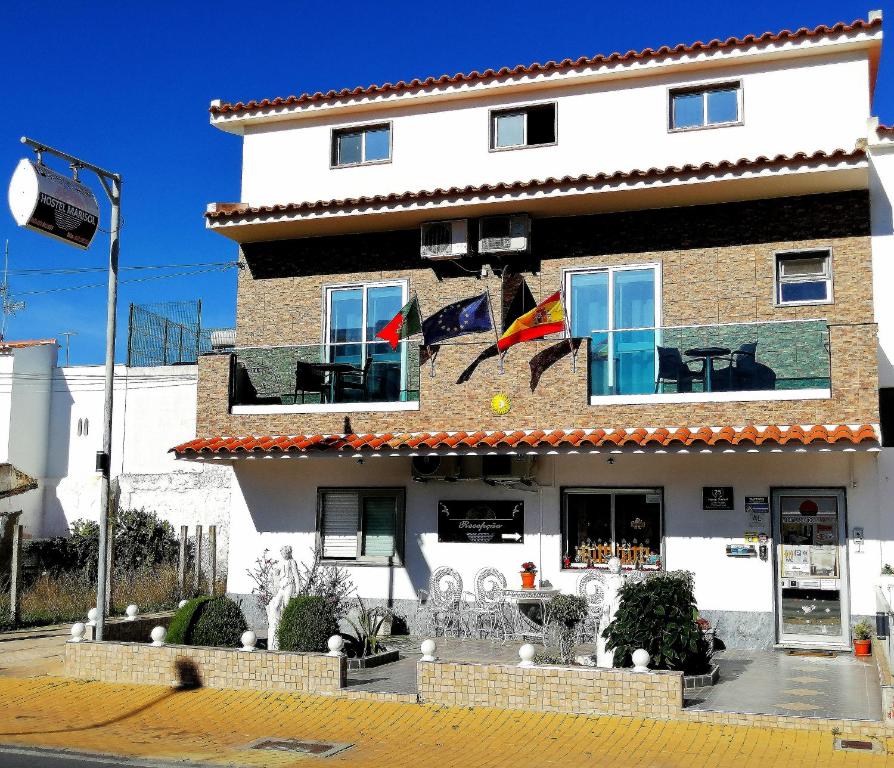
(717, 497)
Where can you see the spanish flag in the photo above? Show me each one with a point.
(546, 318)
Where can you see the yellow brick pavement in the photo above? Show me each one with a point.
(214, 725)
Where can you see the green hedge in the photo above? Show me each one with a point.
(182, 621)
(307, 623)
(219, 624)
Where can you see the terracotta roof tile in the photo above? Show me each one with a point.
(409, 442)
(548, 68)
(235, 210)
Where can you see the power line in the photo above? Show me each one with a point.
(61, 289)
(132, 267)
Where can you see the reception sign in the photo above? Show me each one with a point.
(481, 522)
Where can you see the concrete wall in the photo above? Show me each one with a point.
(275, 501)
(821, 102)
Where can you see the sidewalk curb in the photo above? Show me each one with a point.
(104, 758)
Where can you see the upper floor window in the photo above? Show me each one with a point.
(523, 127)
(361, 145)
(804, 277)
(718, 104)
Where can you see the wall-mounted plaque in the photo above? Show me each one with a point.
(717, 497)
(481, 522)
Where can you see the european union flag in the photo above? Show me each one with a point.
(466, 316)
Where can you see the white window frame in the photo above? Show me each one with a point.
(780, 256)
(362, 129)
(398, 493)
(328, 290)
(611, 269)
(704, 89)
(493, 114)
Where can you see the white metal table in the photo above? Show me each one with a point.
(524, 625)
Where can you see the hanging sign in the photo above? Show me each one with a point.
(717, 498)
(481, 522)
(53, 204)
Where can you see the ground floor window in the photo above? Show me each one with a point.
(600, 523)
(361, 524)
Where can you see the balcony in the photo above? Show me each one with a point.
(331, 378)
(711, 363)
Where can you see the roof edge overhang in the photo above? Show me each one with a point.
(725, 181)
(654, 441)
(822, 40)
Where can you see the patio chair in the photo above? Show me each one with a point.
(589, 587)
(445, 591)
(748, 374)
(486, 615)
(308, 379)
(353, 386)
(672, 369)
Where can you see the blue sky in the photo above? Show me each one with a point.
(127, 86)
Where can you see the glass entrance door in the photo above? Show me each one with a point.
(812, 597)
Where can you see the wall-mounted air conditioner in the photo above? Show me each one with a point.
(434, 468)
(445, 239)
(507, 467)
(505, 234)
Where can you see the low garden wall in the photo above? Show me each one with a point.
(578, 690)
(127, 631)
(117, 662)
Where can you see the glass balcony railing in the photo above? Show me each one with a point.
(369, 372)
(734, 357)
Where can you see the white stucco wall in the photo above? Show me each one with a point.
(274, 502)
(816, 103)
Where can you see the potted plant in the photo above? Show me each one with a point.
(862, 638)
(528, 573)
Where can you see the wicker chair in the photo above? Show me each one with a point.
(486, 616)
(445, 593)
(589, 587)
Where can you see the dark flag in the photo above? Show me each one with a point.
(457, 319)
(486, 354)
(427, 353)
(549, 356)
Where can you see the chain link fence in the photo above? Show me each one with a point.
(169, 333)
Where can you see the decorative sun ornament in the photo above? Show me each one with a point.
(500, 403)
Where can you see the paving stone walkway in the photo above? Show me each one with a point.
(216, 726)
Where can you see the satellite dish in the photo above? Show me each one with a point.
(426, 466)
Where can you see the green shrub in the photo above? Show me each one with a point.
(220, 624)
(659, 614)
(307, 623)
(183, 621)
(565, 613)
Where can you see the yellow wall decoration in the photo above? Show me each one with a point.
(500, 403)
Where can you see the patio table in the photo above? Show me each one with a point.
(523, 624)
(335, 371)
(708, 354)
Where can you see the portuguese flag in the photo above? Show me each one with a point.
(546, 318)
(403, 325)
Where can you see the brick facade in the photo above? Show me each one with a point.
(717, 266)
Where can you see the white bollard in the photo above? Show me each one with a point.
(248, 640)
(335, 643)
(641, 660)
(131, 612)
(527, 653)
(78, 630)
(158, 636)
(428, 650)
(91, 617)
(182, 603)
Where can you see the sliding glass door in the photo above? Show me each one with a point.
(617, 308)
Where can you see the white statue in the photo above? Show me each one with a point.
(611, 587)
(288, 578)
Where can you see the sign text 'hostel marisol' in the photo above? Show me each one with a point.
(495, 521)
(53, 204)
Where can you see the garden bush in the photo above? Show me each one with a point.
(183, 620)
(219, 624)
(307, 622)
(659, 614)
(565, 613)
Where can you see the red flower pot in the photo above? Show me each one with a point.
(528, 579)
(862, 647)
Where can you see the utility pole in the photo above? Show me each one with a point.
(7, 305)
(111, 183)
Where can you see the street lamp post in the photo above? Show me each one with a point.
(111, 183)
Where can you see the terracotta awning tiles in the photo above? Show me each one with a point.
(409, 442)
(548, 67)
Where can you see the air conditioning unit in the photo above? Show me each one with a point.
(505, 234)
(445, 239)
(435, 468)
(507, 467)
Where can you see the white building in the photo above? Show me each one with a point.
(717, 219)
(51, 422)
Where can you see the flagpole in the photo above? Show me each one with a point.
(494, 325)
(568, 329)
